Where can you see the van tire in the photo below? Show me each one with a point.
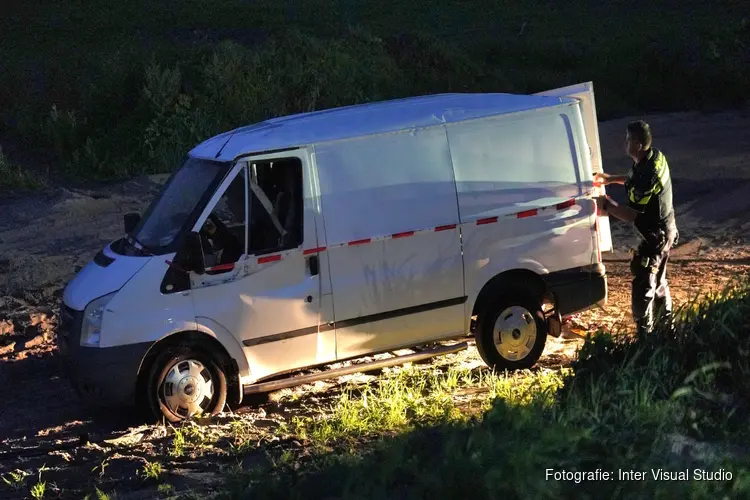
(514, 304)
(197, 359)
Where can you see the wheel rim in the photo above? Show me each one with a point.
(515, 333)
(188, 388)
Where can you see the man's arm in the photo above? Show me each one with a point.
(611, 207)
(622, 212)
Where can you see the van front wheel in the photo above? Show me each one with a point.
(511, 332)
(185, 382)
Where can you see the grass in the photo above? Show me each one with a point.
(151, 470)
(15, 479)
(15, 178)
(190, 438)
(37, 491)
(419, 396)
(99, 495)
(114, 90)
(626, 404)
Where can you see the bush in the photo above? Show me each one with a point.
(111, 106)
(701, 364)
(14, 178)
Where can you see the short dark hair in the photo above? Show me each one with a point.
(641, 132)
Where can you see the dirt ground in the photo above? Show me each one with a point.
(44, 237)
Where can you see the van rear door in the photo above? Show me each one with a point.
(584, 93)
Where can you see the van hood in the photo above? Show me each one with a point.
(96, 280)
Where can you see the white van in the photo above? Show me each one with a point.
(321, 237)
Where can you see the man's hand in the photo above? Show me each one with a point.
(600, 178)
(602, 205)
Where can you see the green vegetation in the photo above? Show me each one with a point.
(419, 396)
(626, 404)
(40, 488)
(151, 470)
(13, 177)
(190, 437)
(99, 495)
(115, 89)
(15, 479)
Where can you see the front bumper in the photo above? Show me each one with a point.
(102, 377)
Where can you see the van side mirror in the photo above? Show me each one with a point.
(131, 220)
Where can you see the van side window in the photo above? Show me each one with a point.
(223, 233)
(275, 205)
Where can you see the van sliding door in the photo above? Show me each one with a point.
(394, 247)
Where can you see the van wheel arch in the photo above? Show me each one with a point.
(530, 281)
(191, 339)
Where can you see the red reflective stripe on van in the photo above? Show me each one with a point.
(269, 258)
(566, 204)
(527, 213)
(359, 242)
(403, 235)
(489, 220)
(314, 250)
(445, 228)
(221, 267)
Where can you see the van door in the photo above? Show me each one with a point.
(261, 284)
(584, 93)
(394, 243)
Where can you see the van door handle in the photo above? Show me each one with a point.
(314, 265)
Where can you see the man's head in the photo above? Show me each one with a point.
(637, 139)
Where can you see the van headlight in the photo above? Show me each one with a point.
(92, 321)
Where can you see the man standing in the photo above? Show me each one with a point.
(650, 209)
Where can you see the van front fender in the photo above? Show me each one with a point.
(209, 334)
(229, 341)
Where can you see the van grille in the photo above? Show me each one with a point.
(67, 321)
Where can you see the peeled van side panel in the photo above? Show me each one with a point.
(520, 195)
(396, 280)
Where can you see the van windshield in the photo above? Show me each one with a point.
(178, 204)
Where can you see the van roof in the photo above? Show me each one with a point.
(366, 119)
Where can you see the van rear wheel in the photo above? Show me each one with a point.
(511, 332)
(185, 382)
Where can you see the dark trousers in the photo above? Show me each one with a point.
(650, 293)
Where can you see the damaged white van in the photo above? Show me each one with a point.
(321, 237)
